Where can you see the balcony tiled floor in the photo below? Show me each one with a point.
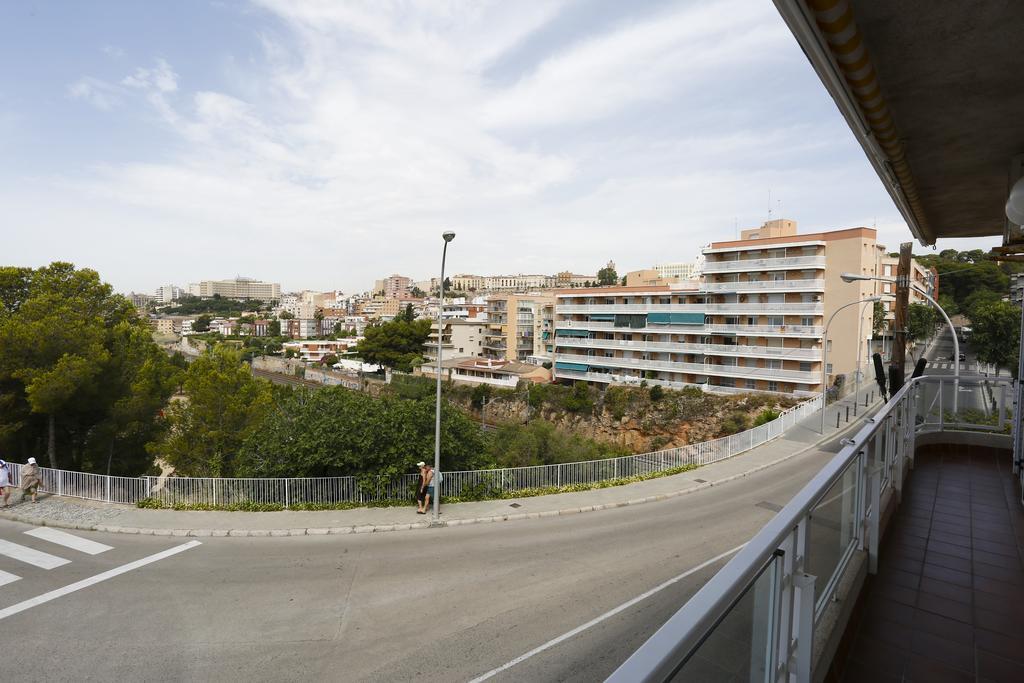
(948, 601)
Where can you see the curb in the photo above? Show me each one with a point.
(380, 528)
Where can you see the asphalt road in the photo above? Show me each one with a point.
(444, 605)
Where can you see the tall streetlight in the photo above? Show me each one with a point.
(448, 236)
(824, 353)
(853, 277)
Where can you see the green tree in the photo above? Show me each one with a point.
(274, 328)
(607, 276)
(878, 318)
(337, 432)
(202, 323)
(394, 344)
(977, 299)
(329, 359)
(225, 403)
(921, 321)
(78, 370)
(285, 315)
(995, 334)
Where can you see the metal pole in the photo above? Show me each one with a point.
(437, 410)
(824, 356)
(856, 373)
(956, 346)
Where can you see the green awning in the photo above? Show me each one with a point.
(602, 317)
(580, 367)
(572, 333)
(675, 318)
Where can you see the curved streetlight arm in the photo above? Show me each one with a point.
(824, 351)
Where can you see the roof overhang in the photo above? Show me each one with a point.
(933, 91)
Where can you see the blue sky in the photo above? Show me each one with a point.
(324, 144)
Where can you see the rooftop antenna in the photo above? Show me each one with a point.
(736, 226)
(769, 203)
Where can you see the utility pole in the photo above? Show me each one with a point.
(899, 344)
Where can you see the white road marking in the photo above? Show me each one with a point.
(597, 620)
(68, 540)
(6, 578)
(93, 580)
(31, 555)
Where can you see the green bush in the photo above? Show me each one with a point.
(736, 422)
(657, 393)
(579, 400)
(765, 416)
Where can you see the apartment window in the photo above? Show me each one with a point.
(776, 320)
(773, 364)
(828, 368)
(773, 386)
(750, 384)
(751, 320)
(828, 348)
(665, 300)
(807, 321)
(726, 382)
(805, 366)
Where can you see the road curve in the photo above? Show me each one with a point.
(447, 604)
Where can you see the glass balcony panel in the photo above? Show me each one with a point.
(832, 527)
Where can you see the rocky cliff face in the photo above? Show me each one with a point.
(630, 418)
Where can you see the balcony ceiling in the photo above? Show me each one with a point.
(951, 74)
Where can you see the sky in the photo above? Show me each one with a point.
(324, 144)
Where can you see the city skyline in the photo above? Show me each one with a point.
(317, 146)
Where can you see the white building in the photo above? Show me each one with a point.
(168, 294)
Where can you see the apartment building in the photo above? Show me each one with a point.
(923, 277)
(459, 339)
(681, 271)
(239, 288)
(392, 286)
(753, 322)
(515, 325)
(163, 326)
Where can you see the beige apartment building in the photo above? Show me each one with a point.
(459, 339)
(515, 325)
(239, 288)
(392, 286)
(754, 321)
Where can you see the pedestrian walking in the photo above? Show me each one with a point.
(5, 481)
(30, 480)
(421, 488)
(428, 482)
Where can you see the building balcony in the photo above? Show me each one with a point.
(630, 308)
(899, 560)
(766, 285)
(736, 371)
(763, 264)
(812, 331)
(687, 347)
(780, 308)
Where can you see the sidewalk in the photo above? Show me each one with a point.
(87, 515)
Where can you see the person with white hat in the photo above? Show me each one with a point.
(421, 488)
(30, 480)
(5, 481)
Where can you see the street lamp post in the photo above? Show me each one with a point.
(448, 236)
(824, 353)
(853, 277)
(860, 344)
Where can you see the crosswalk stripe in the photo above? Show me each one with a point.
(6, 578)
(31, 555)
(69, 540)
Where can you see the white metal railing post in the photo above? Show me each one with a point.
(108, 488)
(875, 482)
(804, 626)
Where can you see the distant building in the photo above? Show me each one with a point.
(678, 271)
(515, 325)
(381, 308)
(162, 325)
(168, 294)
(499, 373)
(392, 286)
(239, 288)
(459, 339)
(140, 301)
(314, 351)
(299, 328)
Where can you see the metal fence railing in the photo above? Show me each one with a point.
(326, 491)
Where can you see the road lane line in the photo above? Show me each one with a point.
(6, 578)
(93, 580)
(31, 555)
(68, 540)
(597, 620)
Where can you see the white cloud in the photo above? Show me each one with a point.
(112, 51)
(368, 127)
(96, 92)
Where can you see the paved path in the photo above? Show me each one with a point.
(86, 515)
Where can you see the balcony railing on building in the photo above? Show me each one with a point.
(797, 285)
(741, 371)
(766, 615)
(782, 263)
(691, 347)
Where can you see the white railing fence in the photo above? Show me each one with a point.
(756, 618)
(328, 491)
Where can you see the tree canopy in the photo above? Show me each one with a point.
(394, 344)
(337, 432)
(995, 334)
(607, 276)
(921, 321)
(224, 404)
(79, 371)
